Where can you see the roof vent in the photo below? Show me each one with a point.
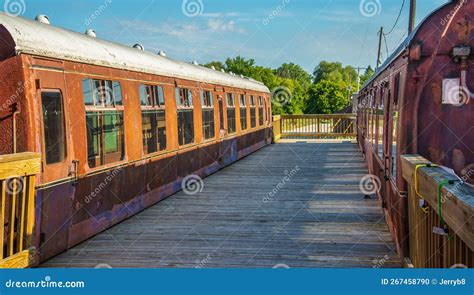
(44, 19)
(139, 47)
(195, 63)
(242, 76)
(162, 53)
(91, 33)
(222, 70)
(213, 68)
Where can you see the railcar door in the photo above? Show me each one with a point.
(377, 140)
(222, 129)
(397, 203)
(54, 131)
(54, 138)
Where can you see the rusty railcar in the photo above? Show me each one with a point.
(119, 128)
(420, 101)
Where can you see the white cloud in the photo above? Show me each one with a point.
(182, 30)
(219, 25)
(221, 14)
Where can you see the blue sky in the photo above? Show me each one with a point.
(270, 31)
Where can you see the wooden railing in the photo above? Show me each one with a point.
(315, 126)
(440, 216)
(17, 211)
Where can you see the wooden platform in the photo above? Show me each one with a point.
(317, 218)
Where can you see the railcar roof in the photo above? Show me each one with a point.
(40, 39)
(404, 45)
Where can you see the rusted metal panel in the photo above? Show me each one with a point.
(54, 210)
(76, 204)
(439, 132)
(100, 201)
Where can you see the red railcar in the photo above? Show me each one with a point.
(420, 101)
(118, 128)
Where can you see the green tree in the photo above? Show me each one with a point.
(369, 72)
(334, 71)
(240, 66)
(216, 64)
(294, 72)
(327, 97)
(328, 93)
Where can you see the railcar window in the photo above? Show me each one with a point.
(152, 96)
(260, 111)
(221, 115)
(243, 111)
(208, 127)
(396, 98)
(117, 91)
(53, 127)
(253, 111)
(381, 121)
(230, 114)
(184, 103)
(104, 122)
(87, 90)
(374, 118)
(153, 118)
(269, 112)
(394, 142)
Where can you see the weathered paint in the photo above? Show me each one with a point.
(32, 37)
(62, 228)
(441, 133)
(64, 217)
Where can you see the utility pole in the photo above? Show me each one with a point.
(411, 21)
(358, 77)
(380, 48)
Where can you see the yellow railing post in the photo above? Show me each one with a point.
(17, 179)
(277, 128)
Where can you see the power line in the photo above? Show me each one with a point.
(398, 18)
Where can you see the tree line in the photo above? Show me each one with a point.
(327, 90)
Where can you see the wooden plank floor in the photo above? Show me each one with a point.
(317, 218)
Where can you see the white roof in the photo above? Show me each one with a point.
(35, 38)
